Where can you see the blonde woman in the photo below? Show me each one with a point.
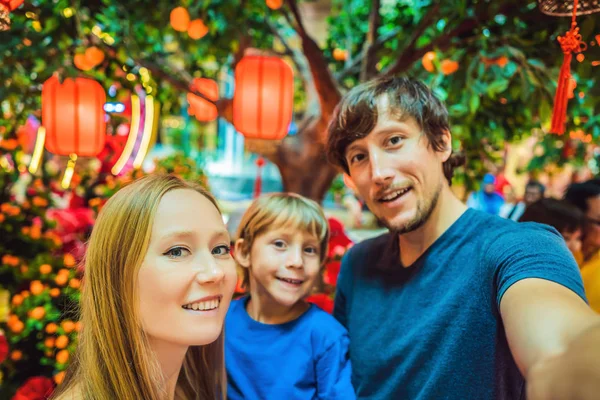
(158, 282)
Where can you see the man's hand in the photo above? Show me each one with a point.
(573, 375)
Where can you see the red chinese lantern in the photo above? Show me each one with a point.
(6, 6)
(264, 96)
(200, 108)
(449, 67)
(73, 115)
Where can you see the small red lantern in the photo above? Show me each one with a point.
(6, 6)
(264, 96)
(180, 19)
(200, 108)
(73, 115)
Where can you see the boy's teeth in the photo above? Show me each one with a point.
(203, 305)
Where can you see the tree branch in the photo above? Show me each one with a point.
(368, 67)
(325, 85)
(425, 23)
(303, 68)
(356, 61)
(443, 42)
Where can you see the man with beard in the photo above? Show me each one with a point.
(452, 303)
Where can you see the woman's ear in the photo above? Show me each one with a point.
(241, 256)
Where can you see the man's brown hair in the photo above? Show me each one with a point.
(357, 114)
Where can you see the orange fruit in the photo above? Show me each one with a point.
(17, 327)
(54, 292)
(427, 61)
(449, 67)
(180, 19)
(16, 355)
(69, 260)
(78, 326)
(68, 326)
(61, 342)
(75, 283)
(51, 328)
(62, 356)
(61, 279)
(58, 378)
(37, 313)
(45, 269)
(36, 287)
(49, 342)
(197, 29)
(17, 300)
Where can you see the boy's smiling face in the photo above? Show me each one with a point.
(283, 264)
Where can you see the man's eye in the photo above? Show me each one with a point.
(357, 158)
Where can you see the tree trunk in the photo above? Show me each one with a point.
(302, 162)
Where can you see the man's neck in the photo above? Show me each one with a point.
(447, 210)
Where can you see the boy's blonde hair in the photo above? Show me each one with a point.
(276, 210)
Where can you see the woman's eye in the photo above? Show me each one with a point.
(222, 250)
(176, 252)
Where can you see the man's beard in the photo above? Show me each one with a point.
(422, 216)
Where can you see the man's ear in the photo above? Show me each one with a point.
(241, 256)
(447, 139)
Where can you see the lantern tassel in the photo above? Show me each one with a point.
(570, 43)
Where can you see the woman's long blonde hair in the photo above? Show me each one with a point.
(114, 360)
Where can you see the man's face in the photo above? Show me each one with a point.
(532, 194)
(397, 172)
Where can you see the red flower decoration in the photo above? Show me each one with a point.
(332, 270)
(322, 301)
(3, 347)
(36, 388)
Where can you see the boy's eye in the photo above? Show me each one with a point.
(395, 140)
(311, 250)
(279, 243)
(222, 250)
(176, 252)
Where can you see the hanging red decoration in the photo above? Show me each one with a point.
(260, 163)
(73, 115)
(180, 19)
(6, 6)
(200, 108)
(263, 98)
(571, 43)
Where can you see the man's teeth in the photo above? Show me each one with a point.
(292, 281)
(203, 305)
(394, 194)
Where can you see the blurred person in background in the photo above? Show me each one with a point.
(586, 197)
(486, 199)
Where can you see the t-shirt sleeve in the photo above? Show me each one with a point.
(531, 250)
(334, 373)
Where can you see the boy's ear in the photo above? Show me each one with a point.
(242, 257)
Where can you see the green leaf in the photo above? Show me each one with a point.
(474, 102)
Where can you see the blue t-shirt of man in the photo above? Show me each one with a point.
(303, 359)
(433, 330)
